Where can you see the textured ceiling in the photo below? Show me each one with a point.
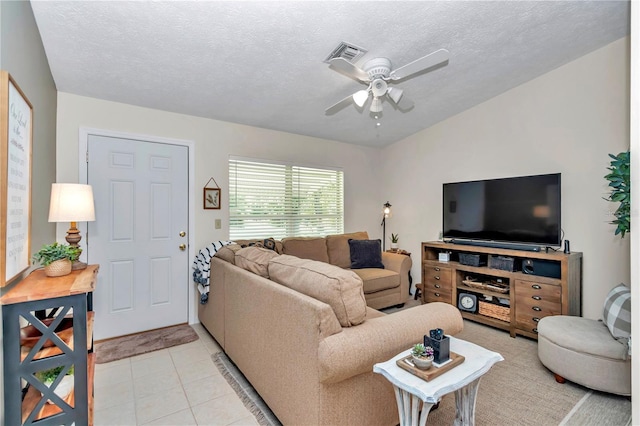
(261, 63)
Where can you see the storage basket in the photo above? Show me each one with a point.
(472, 259)
(503, 313)
(502, 262)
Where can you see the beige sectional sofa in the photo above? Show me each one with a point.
(382, 287)
(301, 332)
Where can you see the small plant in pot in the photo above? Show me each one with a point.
(422, 356)
(394, 241)
(65, 386)
(57, 259)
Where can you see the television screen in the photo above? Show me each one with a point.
(522, 209)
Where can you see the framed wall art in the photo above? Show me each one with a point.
(211, 196)
(16, 127)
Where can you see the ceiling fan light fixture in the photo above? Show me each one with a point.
(395, 94)
(376, 105)
(360, 97)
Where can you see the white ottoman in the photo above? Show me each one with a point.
(583, 351)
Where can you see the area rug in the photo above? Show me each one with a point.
(140, 343)
(517, 391)
(249, 397)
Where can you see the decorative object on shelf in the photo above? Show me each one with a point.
(619, 178)
(394, 241)
(65, 384)
(386, 212)
(72, 202)
(494, 285)
(470, 259)
(504, 263)
(422, 356)
(444, 256)
(211, 196)
(56, 258)
(467, 302)
(16, 123)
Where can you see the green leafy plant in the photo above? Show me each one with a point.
(619, 178)
(394, 238)
(48, 376)
(422, 351)
(51, 252)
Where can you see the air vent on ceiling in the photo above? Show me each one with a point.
(347, 51)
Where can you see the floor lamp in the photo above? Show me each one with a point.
(72, 202)
(386, 212)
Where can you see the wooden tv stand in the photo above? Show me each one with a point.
(549, 284)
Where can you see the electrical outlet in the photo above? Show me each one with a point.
(440, 236)
(218, 223)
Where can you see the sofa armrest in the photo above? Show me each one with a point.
(357, 349)
(402, 265)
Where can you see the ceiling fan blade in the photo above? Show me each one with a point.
(349, 69)
(338, 106)
(431, 60)
(405, 104)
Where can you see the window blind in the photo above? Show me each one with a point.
(283, 200)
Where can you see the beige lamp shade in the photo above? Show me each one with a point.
(71, 202)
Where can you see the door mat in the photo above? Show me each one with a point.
(141, 343)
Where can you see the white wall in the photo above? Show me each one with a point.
(22, 55)
(214, 142)
(565, 121)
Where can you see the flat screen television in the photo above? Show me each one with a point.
(523, 209)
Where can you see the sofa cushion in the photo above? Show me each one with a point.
(338, 247)
(255, 259)
(314, 248)
(339, 288)
(375, 279)
(366, 254)
(228, 253)
(617, 312)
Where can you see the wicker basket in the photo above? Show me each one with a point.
(58, 268)
(503, 313)
(486, 286)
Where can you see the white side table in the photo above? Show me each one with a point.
(463, 380)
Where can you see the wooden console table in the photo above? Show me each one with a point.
(540, 284)
(32, 299)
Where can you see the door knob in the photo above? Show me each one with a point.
(182, 233)
(183, 247)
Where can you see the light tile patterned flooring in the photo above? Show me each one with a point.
(174, 386)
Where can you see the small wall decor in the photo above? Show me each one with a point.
(211, 196)
(16, 121)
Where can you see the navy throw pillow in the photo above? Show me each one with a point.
(365, 254)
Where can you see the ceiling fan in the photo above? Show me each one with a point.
(377, 74)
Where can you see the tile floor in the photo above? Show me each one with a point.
(174, 386)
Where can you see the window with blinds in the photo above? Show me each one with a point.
(283, 200)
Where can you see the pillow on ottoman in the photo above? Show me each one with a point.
(617, 312)
(365, 254)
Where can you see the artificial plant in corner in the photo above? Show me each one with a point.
(620, 184)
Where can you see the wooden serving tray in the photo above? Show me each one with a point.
(434, 371)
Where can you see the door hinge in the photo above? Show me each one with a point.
(86, 156)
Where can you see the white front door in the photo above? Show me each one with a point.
(139, 235)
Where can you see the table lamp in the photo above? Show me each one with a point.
(72, 202)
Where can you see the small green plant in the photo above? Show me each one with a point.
(394, 238)
(48, 376)
(422, 351)
(51, 252)
(619, 178)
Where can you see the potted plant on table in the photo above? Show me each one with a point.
(56, 258)
(422, 356)
(394, 241)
